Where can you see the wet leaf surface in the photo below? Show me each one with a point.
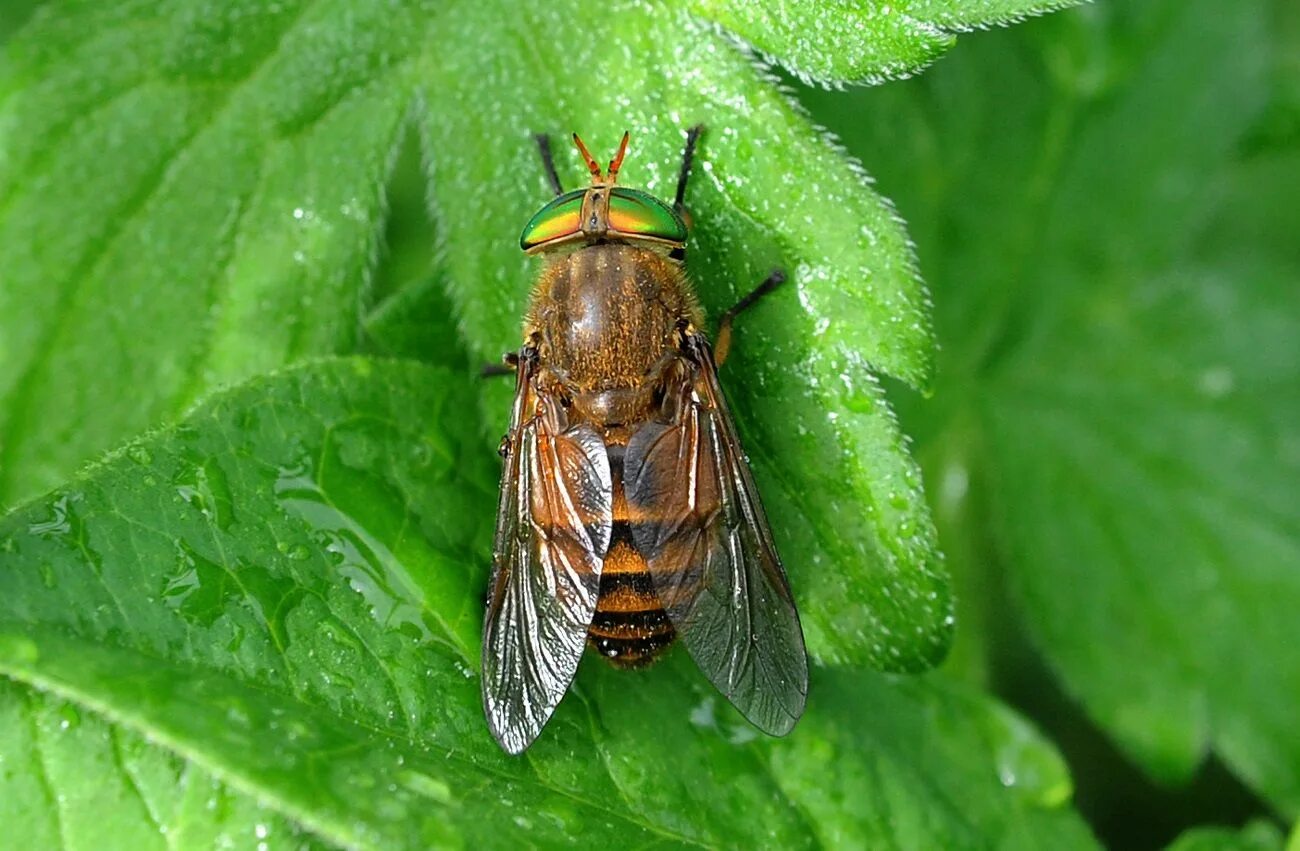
(311, 641)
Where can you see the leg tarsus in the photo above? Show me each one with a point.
(723, 344)
(509, 364)
(688, 155)
(548, 161)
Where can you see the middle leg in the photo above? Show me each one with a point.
(723, 344)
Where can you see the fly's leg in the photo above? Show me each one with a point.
(521, 364)
(548, 161)
(679, 202)
(509, 364)
(688, 155)
(723, 345)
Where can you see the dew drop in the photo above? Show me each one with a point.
(69, 717)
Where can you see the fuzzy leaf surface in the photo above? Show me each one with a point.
(312, 642)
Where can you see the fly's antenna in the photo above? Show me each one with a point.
(615, 163)
(592, 165)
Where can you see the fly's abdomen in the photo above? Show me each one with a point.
(630, 627)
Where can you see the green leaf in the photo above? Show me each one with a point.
(969, 14)
(190, 195)
(69, 780)
(16, 14)
(196, 199)
(1196, 574)
(1115, 265)
(188, 198)
(857, 41)
(312, 644)
(833, 42)
(1256, 836)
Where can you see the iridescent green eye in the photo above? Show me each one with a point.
(562, 217)
(641, 214)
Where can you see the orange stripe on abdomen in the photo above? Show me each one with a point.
(630, 627)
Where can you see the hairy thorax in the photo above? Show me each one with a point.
(607, 319)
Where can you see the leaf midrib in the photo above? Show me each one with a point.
(199, 756)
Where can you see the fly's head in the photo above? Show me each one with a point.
(603, 212)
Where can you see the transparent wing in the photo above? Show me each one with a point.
(553, 529)
(712, 562)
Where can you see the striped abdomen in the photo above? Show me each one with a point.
(630, 627)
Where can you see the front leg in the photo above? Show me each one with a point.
(509, 364)
(548, 162)
(688, 156)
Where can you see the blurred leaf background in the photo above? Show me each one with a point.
(260, 625)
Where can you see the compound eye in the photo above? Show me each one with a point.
(636, 213)
(558, 219)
